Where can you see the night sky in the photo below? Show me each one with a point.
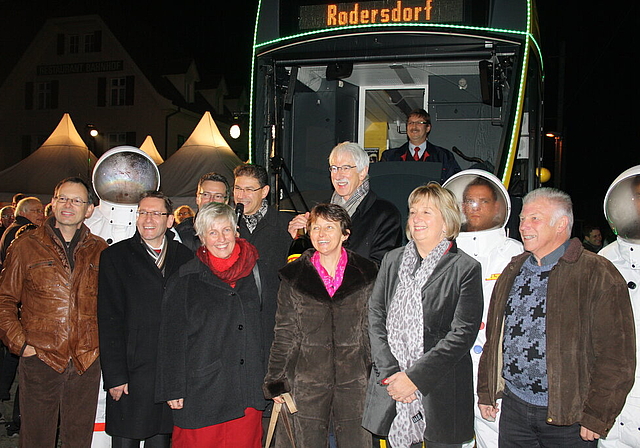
(596, 106)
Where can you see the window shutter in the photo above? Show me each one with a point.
(55, 87)
(28, 95)
(97, 41)
(61, 41)
(129, 94)
(102, 92)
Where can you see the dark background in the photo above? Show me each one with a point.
(590, 52)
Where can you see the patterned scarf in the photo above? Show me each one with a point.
(243, 259)
(405, 331)
(253, 220)
(354, 200)
(157, 257)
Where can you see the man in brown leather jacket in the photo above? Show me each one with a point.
(48, 292)
(560, 348)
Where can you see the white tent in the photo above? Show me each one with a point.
(150, 148)
(204, 151)
(62, 155)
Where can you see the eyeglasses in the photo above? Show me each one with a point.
(246, 190)
(417, 122)
(214, 196)
(344, 168)
(144, 213)
(75, 201)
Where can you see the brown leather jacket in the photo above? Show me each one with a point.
(590, 340)
(58, 305)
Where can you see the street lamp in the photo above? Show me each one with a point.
(93, 133)
(558, 141)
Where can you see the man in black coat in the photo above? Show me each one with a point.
(266, 228)
(375, 222)
(133, 274)
(419, 149)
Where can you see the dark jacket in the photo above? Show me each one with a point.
(59, 304)
(436, 154)
(321, 349)
(375, 228)
(272, 240)
(187, 234)
(10, 234)
(210, 348)
(590, 340)
(129, 299)
(452, 307)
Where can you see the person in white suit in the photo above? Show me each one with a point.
(622, 210)
(486, 207)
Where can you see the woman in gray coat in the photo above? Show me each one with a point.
(424, 314)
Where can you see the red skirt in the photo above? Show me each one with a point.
(243, 432)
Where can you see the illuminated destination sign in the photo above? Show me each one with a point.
(380, 12)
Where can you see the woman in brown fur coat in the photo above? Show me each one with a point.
(320, 353)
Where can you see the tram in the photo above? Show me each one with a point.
(325, 72)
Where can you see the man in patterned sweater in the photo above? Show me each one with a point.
(560, 348)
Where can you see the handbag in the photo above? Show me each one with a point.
(290, 406)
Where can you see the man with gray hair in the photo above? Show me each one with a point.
(375, 222)
(29, 212)
(560, 348)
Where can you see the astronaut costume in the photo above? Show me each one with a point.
(493, 249)
(622, 210)
(120, 176)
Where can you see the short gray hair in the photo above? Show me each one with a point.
(360, 157)
(24, 203)
(563, 206)
(213, 211)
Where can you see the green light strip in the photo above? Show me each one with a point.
(395, 25)
(515, 136)
(253, 64)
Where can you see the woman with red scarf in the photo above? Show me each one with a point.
(211, 360)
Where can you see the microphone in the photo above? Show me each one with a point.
(239, 212)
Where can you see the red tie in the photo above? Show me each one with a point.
(416, 157)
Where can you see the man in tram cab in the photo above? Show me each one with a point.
(419, 149)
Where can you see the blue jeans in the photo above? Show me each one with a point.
(525, 425)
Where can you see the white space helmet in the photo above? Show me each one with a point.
(622, 205)
(484, 201)
(123, 173)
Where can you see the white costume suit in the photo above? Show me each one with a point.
(494, 250)
(624, 253)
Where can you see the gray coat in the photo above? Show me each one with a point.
(452, 308)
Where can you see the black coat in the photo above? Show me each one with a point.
(210, 350)
(375, 228)
(452, 309)
(272, 240)
(130, 293)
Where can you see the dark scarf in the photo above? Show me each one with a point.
(243, 259)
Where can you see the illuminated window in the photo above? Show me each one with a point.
(117, 91)
(43, 95)
(74, 43)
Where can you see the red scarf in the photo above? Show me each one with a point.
(239, 264)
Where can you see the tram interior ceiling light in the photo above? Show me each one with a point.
(339, 70)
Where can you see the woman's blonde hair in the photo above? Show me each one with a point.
(443, 200)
